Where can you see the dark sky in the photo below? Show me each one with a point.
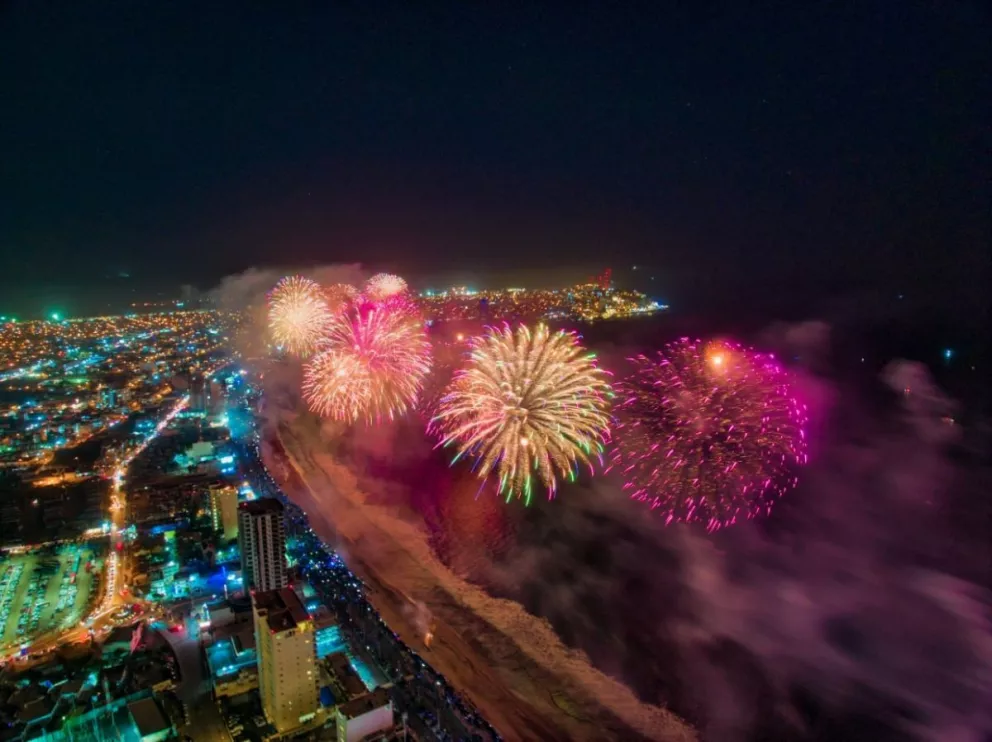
(796, 147)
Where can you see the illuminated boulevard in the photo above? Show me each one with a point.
(114, 592)
(114, 596)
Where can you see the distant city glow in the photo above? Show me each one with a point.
(586, 302)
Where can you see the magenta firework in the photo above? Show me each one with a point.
(708, 432)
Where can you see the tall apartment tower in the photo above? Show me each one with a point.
(217, 396)
(262, 540)
(197, 392)
(287, 659)
(224, 510)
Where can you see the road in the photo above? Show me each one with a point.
(205, 722)
(101, 619)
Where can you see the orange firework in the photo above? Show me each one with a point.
(298, 314)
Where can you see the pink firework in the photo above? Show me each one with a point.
(708, 432)
(370, 365)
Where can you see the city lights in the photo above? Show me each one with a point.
(585, 302)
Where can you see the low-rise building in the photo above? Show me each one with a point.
(233, 659)
(363, 717)
(149, 720)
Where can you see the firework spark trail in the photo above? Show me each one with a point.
(708, 433)
(298, 314)
(370, 365)
(526, 404)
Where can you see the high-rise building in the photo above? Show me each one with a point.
(287, 671)
(218, 397)
(224, 510)
(197, 392)
(262, 540)
(108, 398)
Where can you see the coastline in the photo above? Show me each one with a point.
(510, 664)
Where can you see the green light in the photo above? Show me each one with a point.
(56, 317)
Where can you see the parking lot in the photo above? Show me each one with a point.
(44, 590)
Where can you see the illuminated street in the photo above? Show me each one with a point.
(121, 373)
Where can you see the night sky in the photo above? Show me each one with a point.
(801, 149)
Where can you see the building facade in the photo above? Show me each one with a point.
(287, 671)
(224, 510)
(262, 540)
(197, 392)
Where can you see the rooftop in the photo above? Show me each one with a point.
(264, 506)
(147, 717)
(353, 709)
(339, 666)
(232, 654)
(282, 609)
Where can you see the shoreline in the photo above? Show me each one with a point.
(520, 695)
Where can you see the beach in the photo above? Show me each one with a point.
(509, 663)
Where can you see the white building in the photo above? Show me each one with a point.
(287, 657)
(224, 510)
(364, 716)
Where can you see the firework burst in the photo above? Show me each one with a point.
(298, 314)
(370, 365)
(338, 295)
(708, 433)
(384, 285)
(527, 405)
